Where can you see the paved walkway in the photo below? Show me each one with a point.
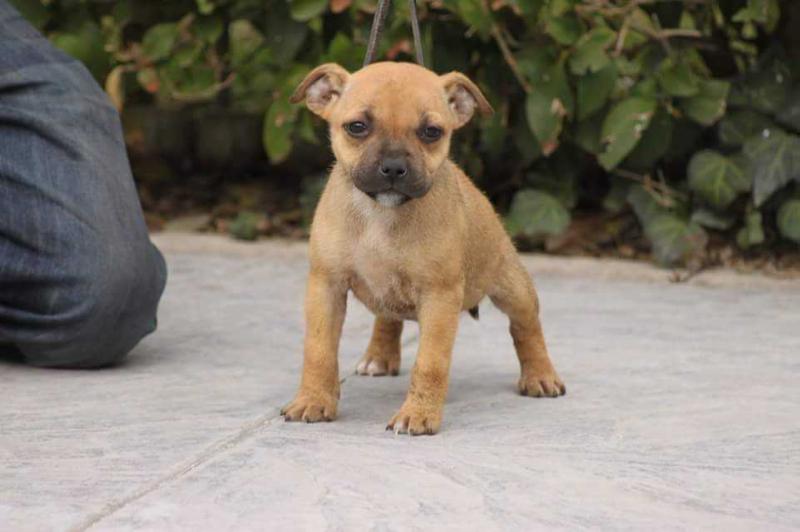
(683, 411)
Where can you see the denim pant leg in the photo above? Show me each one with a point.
(80, 280)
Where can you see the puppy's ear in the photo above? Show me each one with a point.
(321, 88)
(464, 97)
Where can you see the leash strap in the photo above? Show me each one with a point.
(377, 28)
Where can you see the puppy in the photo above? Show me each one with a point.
(404, 229)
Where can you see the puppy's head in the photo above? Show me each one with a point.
(391, 123)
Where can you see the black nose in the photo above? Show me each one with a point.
(394, 167)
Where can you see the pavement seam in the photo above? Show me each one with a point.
(205, 456)
(214, 450)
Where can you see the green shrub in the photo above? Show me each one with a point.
(686, 111)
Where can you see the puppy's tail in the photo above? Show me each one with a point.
(474, 312)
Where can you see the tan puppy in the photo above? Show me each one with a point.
(405, 229)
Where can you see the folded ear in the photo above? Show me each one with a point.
(321, 88)
(464, 97)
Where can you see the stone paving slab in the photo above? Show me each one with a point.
(683, 411)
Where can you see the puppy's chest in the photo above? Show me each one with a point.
(381, 279)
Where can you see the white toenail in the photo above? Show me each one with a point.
(362, 367)
(374, 367)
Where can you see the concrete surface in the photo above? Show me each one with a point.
(683, 411)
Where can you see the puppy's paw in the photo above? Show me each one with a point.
(415, 420)
(310, 408)
(545, 384)
(378, 366)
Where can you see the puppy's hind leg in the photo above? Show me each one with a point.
(383, 353)
(514, 294)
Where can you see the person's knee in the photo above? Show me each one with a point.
(103, 312)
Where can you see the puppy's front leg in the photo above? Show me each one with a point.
(316, 400)
(421, 412)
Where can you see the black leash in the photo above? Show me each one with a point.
(377, 27)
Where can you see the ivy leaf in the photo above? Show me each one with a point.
(284, 35)
(774, 160)
(305, 10)
(547, 105)
(86, 45)
(590, 51)
(752, 233)
(737, 126)
(789, 220)
(474, 13)
(709, 104)
(654, 142)
(617, 195)
(593, 90)
(677, 78)
(675, 240)
(623, 127)
(245, 226)
(535, 213)
(565, 29)
(789, 115)
(767, 88)
(278, 129)
(563, 187)
(712, 219)
(159, 40)
(586, 134)
(716, 178)
(244, 40)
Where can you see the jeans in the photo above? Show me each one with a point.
(80, 280)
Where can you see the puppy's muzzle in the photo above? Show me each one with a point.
(392, 181)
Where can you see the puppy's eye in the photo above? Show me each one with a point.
(357, 128)
(430, 133)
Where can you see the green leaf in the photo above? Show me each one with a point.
(789, 115)
(278, 129)
(616, 198)
(789, 220)
(305, 10)
(677, 78)
(590, 51)
(343, 51)
(474, 13)
(586, 134)
(709, 104)
(737, 126)
(85, 45)
(675, 240)
(284, 35)
(245, 226)
(157, 43)
(547, 104)
(654, 143)
(205, 7)
(565, 30)
(623, 127)
(208, 29)
(562, 187)
(535, 213)
(245, 40)
(525, 142)
(764, 12)
(712, 219)
(774, 160)
(752, 233)
(593, 90)
(767, 88)
(644, 204)
(716, 178)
